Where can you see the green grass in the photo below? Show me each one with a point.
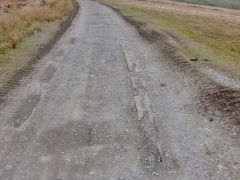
(232, 4)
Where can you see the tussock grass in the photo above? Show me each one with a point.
(203, 32)
(20, 23)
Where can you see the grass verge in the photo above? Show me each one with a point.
(18, 62)
(21, 22)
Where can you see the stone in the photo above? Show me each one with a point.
(219, 166)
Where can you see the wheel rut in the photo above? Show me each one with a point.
(143, 104)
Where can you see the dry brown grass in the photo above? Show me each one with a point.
(20, 19)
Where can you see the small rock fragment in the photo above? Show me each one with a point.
(219, 166)
(226, 174)
(211, 119)
(92, 172)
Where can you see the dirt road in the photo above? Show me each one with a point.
(104, 105)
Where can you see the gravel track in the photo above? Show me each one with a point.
(75, 116)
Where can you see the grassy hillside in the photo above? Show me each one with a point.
(232, 4)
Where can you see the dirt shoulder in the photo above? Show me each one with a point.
(18, 62)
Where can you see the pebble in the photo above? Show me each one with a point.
(219, 166)
(18, 159)
(37, 92)
(196, 166)
(226, 174)
(92, 172)
(9, 166)
(74, 133)
(211, 119)
(18, 121)
(21, 140)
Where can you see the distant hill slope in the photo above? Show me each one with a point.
(232, 4)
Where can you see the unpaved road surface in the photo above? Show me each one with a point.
(104, 105)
